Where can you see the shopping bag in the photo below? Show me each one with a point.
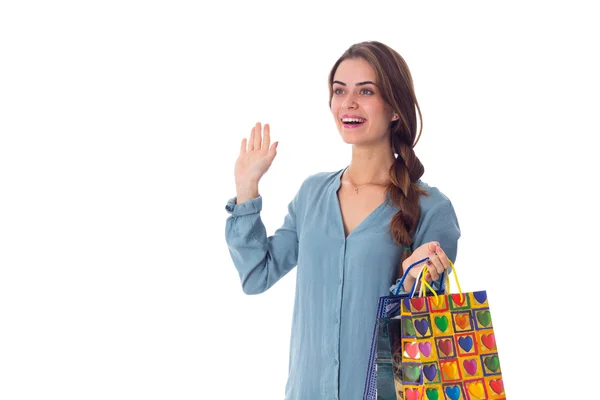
(382, 373)
(441, 346)
(447, 348)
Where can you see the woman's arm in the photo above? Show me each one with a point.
(439, 224)
(260, 260)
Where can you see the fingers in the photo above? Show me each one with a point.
(428, 277)
(267, 138)
(243, 146)
(273, 150)
(251, 140)
(257, 136)
(256, 141)
(432, 269)
(438, 261)
(443, 257)
(435, 264)
(432, 246)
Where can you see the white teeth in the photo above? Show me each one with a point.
(353, 120)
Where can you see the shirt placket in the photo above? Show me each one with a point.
(338, 279)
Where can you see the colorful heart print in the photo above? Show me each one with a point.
(450, 370)
(432, 394)
(425, 348)
(497, 386)
(453, 392)
(470, 366)
(412, 373)
(441, 323)
(462, 320)
(476, 390)
(418, 303)
(484, 318)
(481, 297)
(489, 341)
(445, 346)
(409, 329)
(422, 326)
(412, 394)
(430, 372)
(492, 363)
(412, 349)
(459, 299)
(466, 343)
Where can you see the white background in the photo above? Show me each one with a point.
(120, 124)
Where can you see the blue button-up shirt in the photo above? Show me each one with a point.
(338, 281)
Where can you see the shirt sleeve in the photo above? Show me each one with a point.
(260, 260)
(440, 224)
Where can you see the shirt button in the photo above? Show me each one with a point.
(335, 321)
(335, 362)
(340, 280)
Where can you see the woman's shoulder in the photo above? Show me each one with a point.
(318, 184)
(321, 180)
(438, 219)
(434, 199)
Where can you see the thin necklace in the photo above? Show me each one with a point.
(364, 184)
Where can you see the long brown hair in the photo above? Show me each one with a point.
(396, 85)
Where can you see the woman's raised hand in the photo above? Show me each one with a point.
(256, 156)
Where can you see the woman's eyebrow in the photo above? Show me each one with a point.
(358, 84)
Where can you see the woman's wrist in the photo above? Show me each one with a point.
(246, 191)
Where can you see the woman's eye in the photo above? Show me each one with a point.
(338, 91)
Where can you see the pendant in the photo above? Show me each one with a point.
(356, 190)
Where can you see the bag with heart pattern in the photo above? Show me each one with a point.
(441, 347)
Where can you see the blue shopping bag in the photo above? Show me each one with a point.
(380, 383)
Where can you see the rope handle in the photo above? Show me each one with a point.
(401, 280)
(424, 282)
(421, 277)
(437, 297)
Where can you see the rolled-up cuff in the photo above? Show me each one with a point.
(251, 206)
(394, 286)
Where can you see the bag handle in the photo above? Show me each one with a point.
(421, 390)
(424, 282)
(421, 276)
(401, 280)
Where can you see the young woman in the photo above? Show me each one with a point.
(351, 232)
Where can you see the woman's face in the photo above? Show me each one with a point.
(356, 96)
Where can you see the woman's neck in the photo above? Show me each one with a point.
(371, 165)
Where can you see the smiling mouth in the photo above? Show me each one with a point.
(352, 122)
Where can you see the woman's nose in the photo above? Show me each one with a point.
(348, 102)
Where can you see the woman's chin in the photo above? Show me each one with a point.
(361, 139)
(354, 138)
